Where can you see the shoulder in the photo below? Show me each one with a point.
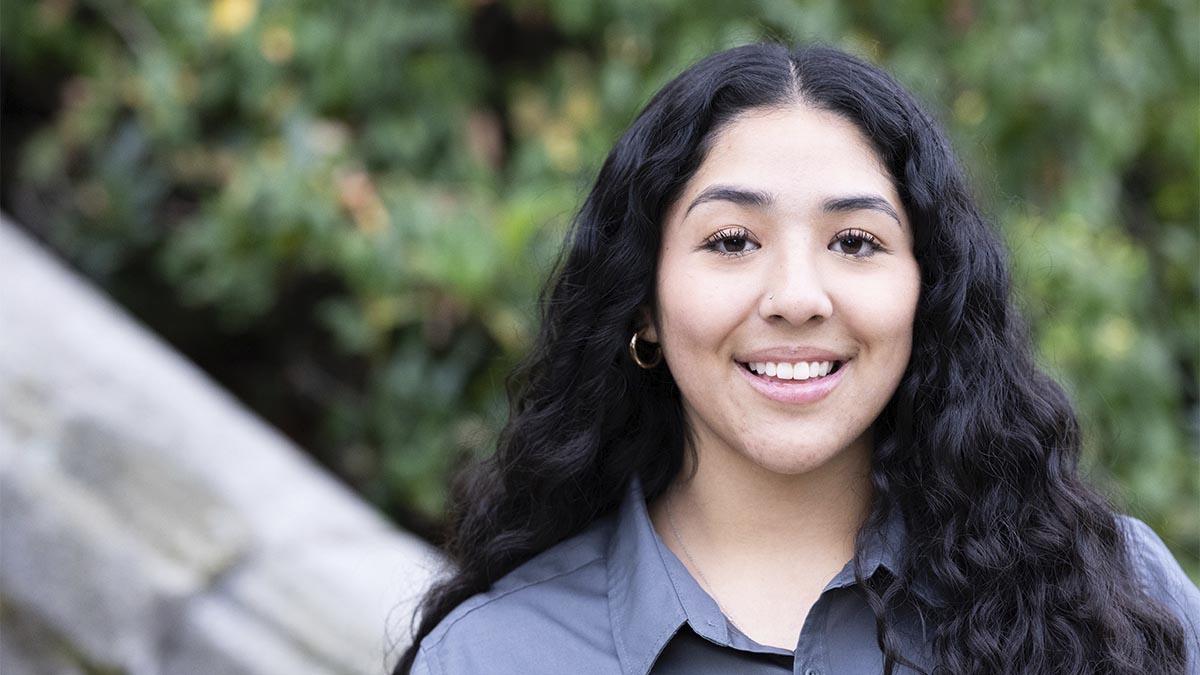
(1156, 567)
(550, 614)
(1161, 575)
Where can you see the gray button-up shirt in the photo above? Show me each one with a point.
(615, 599)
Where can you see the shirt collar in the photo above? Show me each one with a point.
(651, 594)
(643, 604)
(882, 549)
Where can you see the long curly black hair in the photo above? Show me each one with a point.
(977, 448)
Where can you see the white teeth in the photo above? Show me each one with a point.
(792, 371)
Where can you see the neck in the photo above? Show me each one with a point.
(736, 511)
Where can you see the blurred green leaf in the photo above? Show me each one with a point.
(376, 191)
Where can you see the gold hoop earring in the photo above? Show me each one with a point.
(633, 352)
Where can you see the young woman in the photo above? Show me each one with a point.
(782, 417)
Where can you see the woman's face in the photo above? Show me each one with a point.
(788, 246)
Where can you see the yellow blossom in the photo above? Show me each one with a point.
(277, 44)
(229, 17)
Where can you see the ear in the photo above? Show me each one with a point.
(646, 329)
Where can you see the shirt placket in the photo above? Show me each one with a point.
(812, 649)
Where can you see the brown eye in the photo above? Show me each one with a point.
(851, 245)
(856, 244)
(734, 242)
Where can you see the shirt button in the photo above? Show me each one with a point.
(812, 671)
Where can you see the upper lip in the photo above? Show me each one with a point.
(790, 355)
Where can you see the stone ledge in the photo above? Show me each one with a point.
(151, 524)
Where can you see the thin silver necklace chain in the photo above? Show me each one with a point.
(707, 586)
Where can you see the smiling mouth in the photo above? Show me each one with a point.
(793, 372)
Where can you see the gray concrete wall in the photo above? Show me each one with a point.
(150, 524)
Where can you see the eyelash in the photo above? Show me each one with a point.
(725, 235)
(715, 240)
(865, 237)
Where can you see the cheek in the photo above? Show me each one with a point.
(881, 313)
(699, 309)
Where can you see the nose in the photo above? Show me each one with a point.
(795, 290)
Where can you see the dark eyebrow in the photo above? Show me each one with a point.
(759, 199)
(728, 193)
(859, 202)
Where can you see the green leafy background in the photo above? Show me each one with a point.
(344, 210)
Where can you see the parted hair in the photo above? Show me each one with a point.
(977, 449)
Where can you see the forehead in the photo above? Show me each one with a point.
(798, 152)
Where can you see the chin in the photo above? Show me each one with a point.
(790, 461)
